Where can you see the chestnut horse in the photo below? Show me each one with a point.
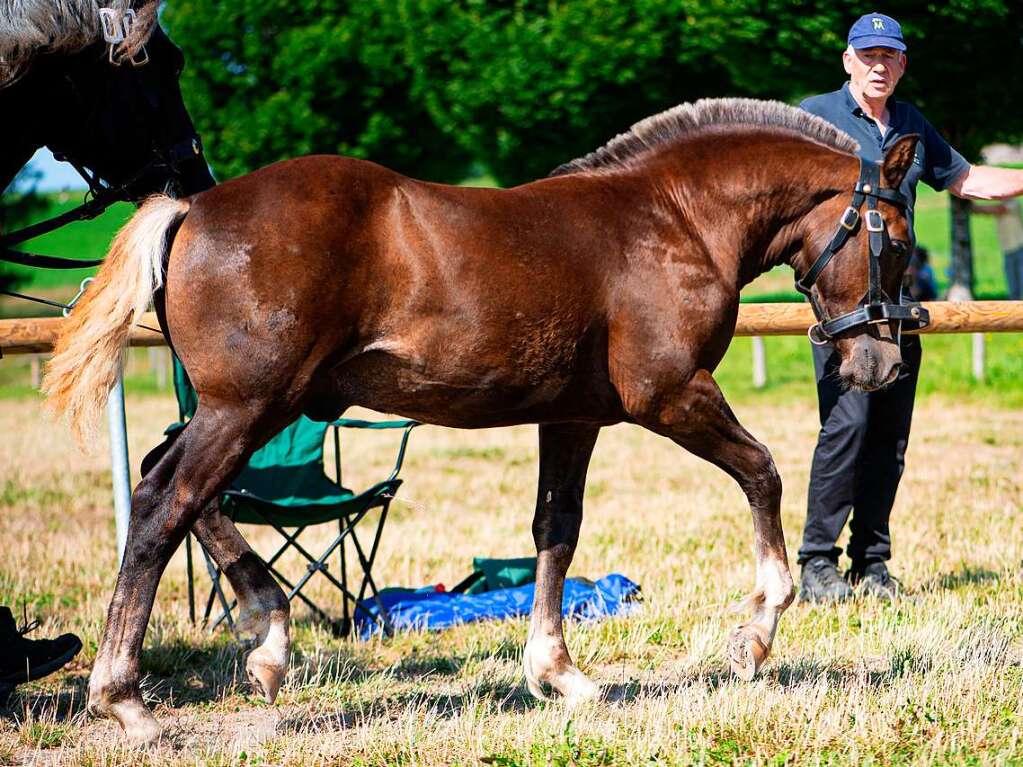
(606, 293)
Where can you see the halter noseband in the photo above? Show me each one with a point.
(876, 306)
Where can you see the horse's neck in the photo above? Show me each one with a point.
(765, 211)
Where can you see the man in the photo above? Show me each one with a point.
(1010, 238)
(862, 443)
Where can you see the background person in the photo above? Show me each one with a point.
(919, 283)
(1010, 239)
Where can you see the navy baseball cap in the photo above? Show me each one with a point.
(875, 30)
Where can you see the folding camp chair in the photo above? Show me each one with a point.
(284, 486)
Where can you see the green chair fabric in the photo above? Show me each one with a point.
(285, 486)
(502, 573)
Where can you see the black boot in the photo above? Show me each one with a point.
(872, 579)
(22, 660)
(821, 582)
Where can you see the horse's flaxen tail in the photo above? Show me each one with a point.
(87, 353)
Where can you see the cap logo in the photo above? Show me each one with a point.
(878, 23)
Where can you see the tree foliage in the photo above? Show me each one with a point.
(526, 86)
(520, 86)
(963, 56)
(271, 79)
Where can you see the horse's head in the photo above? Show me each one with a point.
(853, 266)
(124, 120)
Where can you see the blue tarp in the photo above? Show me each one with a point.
(431, 610)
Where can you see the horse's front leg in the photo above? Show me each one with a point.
(697, 417)
(565, 451)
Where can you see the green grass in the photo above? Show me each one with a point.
(935, 678)
(946, 370)
(83, 239)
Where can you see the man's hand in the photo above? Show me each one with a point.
(983, 182)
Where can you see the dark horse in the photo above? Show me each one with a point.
(604, 294)
(113, 110)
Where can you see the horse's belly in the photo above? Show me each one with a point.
(465, 396)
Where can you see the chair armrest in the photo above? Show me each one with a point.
(354, 423)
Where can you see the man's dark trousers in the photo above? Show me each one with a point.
(859, 459)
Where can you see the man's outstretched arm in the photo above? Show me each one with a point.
(983, 182)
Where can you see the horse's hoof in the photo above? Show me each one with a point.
(578, 689)
(137, 721)
(571, 685)
(747, 652)
(265, 676)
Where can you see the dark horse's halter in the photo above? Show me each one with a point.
(166, 159)
(100, 197)
(876, 306)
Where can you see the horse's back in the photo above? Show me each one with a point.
(321, 262)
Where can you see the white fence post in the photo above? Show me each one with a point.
(759, 363)
(158, 364)
(119, 463)
(37, 371)
(978, 356)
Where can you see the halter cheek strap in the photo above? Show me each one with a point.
(876, 306)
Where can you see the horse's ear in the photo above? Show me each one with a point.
(899, 159)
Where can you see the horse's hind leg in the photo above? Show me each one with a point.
(698, 418)
(264, 609)
(565, 451)
(164, 506)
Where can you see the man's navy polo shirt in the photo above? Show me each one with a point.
(936, 163)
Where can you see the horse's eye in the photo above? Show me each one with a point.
(900, 247)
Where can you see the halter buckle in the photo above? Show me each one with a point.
(117, 29)
(849, 218)
(110, 21)
(816, 335)
(874, 221)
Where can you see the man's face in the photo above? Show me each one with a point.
(874, 71)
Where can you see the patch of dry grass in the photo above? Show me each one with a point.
(935, 678)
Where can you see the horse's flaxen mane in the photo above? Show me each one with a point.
(691, 119)
(29, 28)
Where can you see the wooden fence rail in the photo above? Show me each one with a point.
(946, 317)
(36, 335)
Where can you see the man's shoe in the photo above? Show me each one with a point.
(22, 660)
(873, 580)
(821, 582)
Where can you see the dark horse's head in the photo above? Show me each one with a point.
(111, 107)
(851, 267)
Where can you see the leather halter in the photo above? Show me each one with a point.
(876, 306)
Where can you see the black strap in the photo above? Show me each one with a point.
(866, 314)
(875, 306)
(102, 197)
(849, 220)
(47, 262)
(36, 299)
(868, 188)
(870, 173)
(87, 210)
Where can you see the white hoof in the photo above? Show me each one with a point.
(265, 672)
(571, 684)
